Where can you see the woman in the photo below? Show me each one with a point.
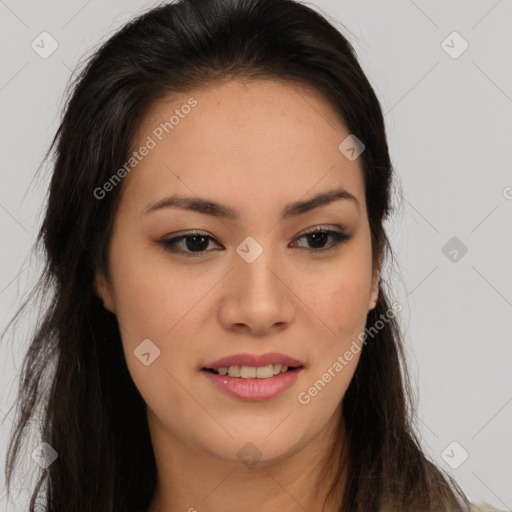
(219, 333)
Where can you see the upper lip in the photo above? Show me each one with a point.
(256, 360)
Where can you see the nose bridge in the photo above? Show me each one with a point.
(258, 297)
(257, 267)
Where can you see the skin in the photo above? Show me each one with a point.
(255, 146)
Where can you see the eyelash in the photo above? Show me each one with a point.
(339, 237)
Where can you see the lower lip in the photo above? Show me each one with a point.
(254, 390)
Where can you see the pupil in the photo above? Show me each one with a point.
(201, 246)
(315, 237)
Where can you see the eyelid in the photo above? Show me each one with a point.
(306, 231)
(320, 227)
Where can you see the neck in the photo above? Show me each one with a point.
(193, 481)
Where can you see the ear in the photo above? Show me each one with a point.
(375, 289)
(103, 291)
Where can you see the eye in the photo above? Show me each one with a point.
(318, 236)
(196, 243)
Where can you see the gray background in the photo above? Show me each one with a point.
(449, 123)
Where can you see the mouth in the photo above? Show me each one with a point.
(253, 384)
(253, 372)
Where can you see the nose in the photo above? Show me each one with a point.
(257, 297)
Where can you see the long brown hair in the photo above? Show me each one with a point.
(92, 415)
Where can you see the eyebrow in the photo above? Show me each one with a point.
(209, 207)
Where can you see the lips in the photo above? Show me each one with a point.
(254, 390)
(256, 360)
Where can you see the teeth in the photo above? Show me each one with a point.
(234, 371)
(251, 372)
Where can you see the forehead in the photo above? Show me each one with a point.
(242, 140)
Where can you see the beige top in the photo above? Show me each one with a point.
(485, 507)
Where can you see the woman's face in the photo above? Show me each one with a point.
(253, 283)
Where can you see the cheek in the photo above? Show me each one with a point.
(165, 315)
(151, 313)
(341, 303)
(343, 309)
(158, 337)
(151, 295)
(340, 297)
